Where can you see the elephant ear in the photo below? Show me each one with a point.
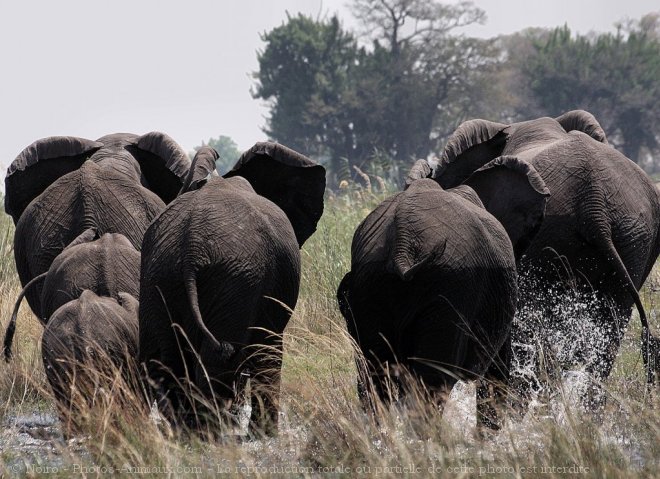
(514, 193)
(290, 180)
(163, 162)
(203, 167)
(420, 170)
(472, 145)
(583, 121)
(39, 165)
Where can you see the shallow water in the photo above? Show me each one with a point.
(31, 440)
(34, 440)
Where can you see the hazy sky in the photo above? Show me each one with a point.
(89, 67)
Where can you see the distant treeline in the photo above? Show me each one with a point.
(395, 88)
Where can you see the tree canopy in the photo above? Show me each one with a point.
(386, 93)
(614, 76)
(304, 73)
(392, 90)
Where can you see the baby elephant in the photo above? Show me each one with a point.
(105, 265)
(432, 285)
(87, 344)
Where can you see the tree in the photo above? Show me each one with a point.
(304, 74)
(395, 96)
(502, 92)
(420, 73)
(227, 150)
(614, 76)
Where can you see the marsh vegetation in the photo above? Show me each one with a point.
(323, 429)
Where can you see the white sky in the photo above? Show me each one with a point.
(90, 67)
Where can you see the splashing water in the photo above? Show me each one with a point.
(559, 335)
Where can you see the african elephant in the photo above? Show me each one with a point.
(602, 222)
(106, 266)
(86, 344)
(220, 277)
(432, 285)
(60, 186)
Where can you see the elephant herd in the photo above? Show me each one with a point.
(128, 250)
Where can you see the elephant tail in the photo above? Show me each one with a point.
(408, 258)
(648, 341)
(11, 327)
(191, 289)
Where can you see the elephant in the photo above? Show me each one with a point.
(220, 277)
(106, 266)
(432, 286)
(86, 345)
(602, 225)
(59, 187)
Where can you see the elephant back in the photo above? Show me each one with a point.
(532, 135)
(597, 192)
(90, 197)
(426, 222)
(77, 322)
(107, 267)
(217, 220)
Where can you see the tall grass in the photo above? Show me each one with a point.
(323, 430)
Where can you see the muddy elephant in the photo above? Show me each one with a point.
(105, 266)
(432, 285)
(602, 225)
(87, 345)
(220, 277)
(60, 186)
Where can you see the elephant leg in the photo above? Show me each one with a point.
(364, 395)
(166, 380)
(492, 389)
(370, 385)
(378, 376)
(435, 351)
(214, 381)
(165, 350)
(613, 320)
(265, 391)
(61, 381)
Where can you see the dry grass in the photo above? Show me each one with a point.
(323, 430)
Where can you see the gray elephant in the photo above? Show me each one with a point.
(60, 186)
(106, 266)
(602, 221)
(432, 285)
(88, 343)
(220, 277)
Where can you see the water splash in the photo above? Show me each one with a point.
(559, 330)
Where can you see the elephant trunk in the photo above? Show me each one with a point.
(11, 327)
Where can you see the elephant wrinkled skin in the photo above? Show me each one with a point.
(220, 277)
(602, 225)
(105, 266)
(432, 285)
(59, 187)
(85, 344)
